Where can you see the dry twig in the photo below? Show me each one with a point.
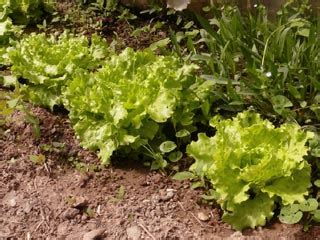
(180, 204)
(146, 230)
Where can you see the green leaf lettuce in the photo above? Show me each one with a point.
(251, 164)
(127, 101)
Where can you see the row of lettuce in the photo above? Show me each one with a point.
(144, 105)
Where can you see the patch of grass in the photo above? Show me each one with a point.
(273, 66)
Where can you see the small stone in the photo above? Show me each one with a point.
(83, 180)
(27, 207)
(62, 228)
(10, 199)
(12, 202)
(171, 190)
(75, 235)
(203, 217)
(235, 236)
(133, 233)
(84, 217)
(71, 213)
(14, 185)
(80, 202)
(168, 196)
(94, 234)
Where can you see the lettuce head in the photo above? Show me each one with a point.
(251, 165)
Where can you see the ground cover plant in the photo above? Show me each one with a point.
(146, 106)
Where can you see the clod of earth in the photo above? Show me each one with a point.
(94, 234)
(71, 213)
(133, 233)
(203, 217)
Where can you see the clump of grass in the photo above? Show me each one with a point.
(271, 65)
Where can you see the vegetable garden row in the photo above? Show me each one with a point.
(237, 93)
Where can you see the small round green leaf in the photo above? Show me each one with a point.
(175, 156)
(291, 218)
(293, 208)
(206, 9)
(309, 205)
(158, 164)
(316, 216)
(182, 133)
(211, 195)
(167, 146)
(13, 103)
(196, 185)
(317, 183)
(280, 103)
(181, 176)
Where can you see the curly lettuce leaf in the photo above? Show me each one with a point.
(287, 187)
(251, 213)
(248, 156)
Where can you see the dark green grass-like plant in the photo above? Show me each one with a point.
(274, 66)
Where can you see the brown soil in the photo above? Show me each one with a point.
(121, 30)
(60, 198)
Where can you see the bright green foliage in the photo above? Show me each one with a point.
(293, 213)
(250, 163)
(47, 64)
(19, 12)
(132, 97)
(26, 12)
(272, 65)
(7, 31)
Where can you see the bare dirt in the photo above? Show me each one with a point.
(62, 196)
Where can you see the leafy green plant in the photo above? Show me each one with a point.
(252, 165)
(7, 31)
(5, 111)
(53, 147)
(47, 63)
(120, 195)
(10, 101)
(90, 212)
(16, 103)
(109, 8)
(24, 12)
(37, 159)
(292, 214)
(83, 167)
(273, 66)
(133, 98)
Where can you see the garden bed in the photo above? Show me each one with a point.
(66, 199)
(51, 187)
